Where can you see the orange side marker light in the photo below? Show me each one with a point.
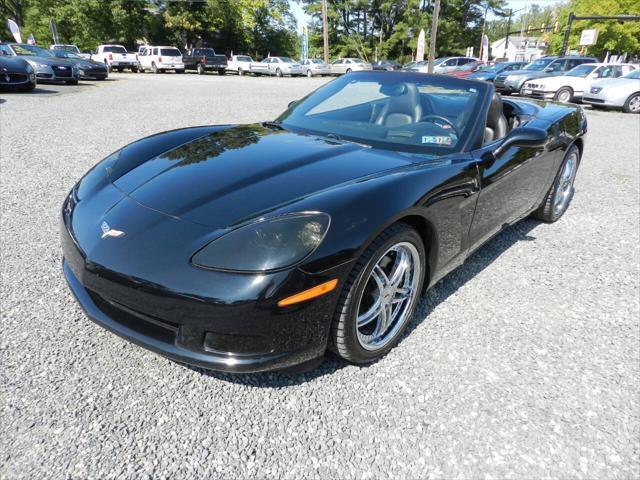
(314, 292)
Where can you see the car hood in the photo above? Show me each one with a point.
(558, 81)
(46, 60)
(618, 83)
(527, 73)
(13, 64)
(240, 172)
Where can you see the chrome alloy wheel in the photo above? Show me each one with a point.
(388, 296)
(564, 189)
(634, 104)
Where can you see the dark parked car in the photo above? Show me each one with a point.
(488, 72)
(257, 247)
(16, 74)
(48, 68)
(204, 60)
(388, 65)
(87, 69)
(513, 81)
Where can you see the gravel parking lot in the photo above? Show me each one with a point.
(522, 363)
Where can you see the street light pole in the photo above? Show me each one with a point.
(325, 32)
(434, 34)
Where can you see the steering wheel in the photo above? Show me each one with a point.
(431, 116)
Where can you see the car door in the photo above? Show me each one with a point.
(337, 66)
(510, 186)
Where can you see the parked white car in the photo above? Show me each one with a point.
(348, 65)
(572, 85)
(278, 66)
(116, 57)
(161, 59)
(314, 66)
(240, 64)
(616, 93)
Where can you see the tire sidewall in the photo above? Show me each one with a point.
(572, 151)
(561, 91)
(627, 105)
(359, 353)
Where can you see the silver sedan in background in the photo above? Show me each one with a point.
(622, 92)
(278, 66)
(347, 65)
(314, 66)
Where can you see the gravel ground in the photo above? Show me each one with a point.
(519, 364)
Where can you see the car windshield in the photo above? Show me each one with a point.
(580, 71)
(358, 60)
(30, 50)
(170, 52)
(492, 68)
(205, 51)
(634, 75)
(285, 60)
(438, 61)
(408, 112)
(66, 54)
(114, 49)
(316, 60)
(538, 64)
(67, 48)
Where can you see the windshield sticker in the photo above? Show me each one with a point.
(437, 139)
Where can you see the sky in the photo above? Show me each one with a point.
(302, 18)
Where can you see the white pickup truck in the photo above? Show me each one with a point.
(115, 57)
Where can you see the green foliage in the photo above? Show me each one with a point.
(252, 26)
(613, 36)
(390, 28)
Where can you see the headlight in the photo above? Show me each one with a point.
(29, 68)
(596, 89)
(268, 244)
(40, 65)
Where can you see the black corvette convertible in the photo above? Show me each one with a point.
(258, 247)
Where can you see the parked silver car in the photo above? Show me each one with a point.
(347, 65)
(278, 66)
(442, 64)
(48, 68)
(623, 92)
(314, 66)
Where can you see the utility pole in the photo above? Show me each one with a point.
(434, 34)
(325, 32)
(565, 42)
(506, 40)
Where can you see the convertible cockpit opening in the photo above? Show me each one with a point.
(417, 113)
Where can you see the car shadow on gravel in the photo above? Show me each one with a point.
(440, 292)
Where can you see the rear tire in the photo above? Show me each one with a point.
(140, 69)
(348, 70)
(179, 70)
(362, 295)
(559, 196)
(632, 105)
(154, 68)
(240, 72)
(564, 95)
(278, 72)
(134, 69)
(309, 74)
(222, 71)
(71, 82)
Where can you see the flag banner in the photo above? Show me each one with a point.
(31, 40)
(14, 29)
(485, 49)
(53, 26)
(420, 47)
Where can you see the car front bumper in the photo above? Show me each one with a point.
(11, 80)
(537, 93)
(171, 66)
(608, 100)
(235, 326)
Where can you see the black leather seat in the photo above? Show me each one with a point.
(401, 109)
(497, 124)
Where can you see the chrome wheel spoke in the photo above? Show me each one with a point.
(388, 297)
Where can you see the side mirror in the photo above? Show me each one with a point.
(521, 137)
(292, 104)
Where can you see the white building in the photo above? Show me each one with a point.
(519, 49)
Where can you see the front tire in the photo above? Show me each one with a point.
(632, 105)
(134, 69)
(278, 72)
(240, 72)
(379, 296)
(559, 196)
(222, 71)
(348, 70)
(309, 73)
(179, 70)
(564, 95)
(200, 69)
